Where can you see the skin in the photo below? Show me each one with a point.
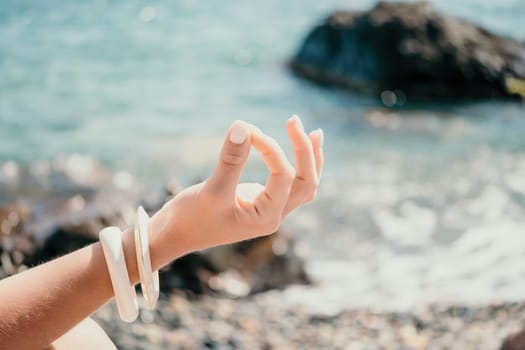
(46, 307)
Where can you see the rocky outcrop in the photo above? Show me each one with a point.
(414, 51)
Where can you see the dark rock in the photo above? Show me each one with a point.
(409, 50)
(514, 342)
(61, 242)
(190, 273)
(271, 262)
(63, 227)
(260, 264)
(210, 344)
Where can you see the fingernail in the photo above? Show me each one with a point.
(321, 137)
(298, 121)
(238, 133)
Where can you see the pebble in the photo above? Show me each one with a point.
(7, 264)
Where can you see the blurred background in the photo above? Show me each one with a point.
(418, 204)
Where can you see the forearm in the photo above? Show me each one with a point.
(39, 305)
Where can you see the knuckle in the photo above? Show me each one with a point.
(307, 189)
(310, 196)
(267, 195)
(271, 223)
(307, 184)
(313, 185)
(232, 159)
(289, 173)
(303, 147)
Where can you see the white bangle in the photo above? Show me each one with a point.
(149, 281)
(125, 295)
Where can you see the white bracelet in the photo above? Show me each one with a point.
(125, 295)
(149, 281)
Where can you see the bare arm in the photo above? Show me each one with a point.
(39, 305)
(43, 303)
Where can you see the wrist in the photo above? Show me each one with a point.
(167, 241)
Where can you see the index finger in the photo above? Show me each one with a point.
(282, 174)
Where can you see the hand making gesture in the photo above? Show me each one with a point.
(52, 301)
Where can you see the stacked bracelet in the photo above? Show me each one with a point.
(149, 281)
(125, 296)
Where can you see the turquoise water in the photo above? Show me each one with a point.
(151, 87)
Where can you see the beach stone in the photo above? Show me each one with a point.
(24, 244)
(248, 267)
(7, 264)
(403, 51)
(264, 263)
(64, 240)
(514, 342)
(13, 216)
(70, 223)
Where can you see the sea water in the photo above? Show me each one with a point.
(424, 203)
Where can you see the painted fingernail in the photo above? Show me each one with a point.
(238, 133)
(298, 121)
(321, 137)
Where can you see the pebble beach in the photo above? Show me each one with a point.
(261, 322)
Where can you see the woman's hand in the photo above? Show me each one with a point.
(48, 300)
(220, 210)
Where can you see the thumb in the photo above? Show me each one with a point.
(233, 157)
